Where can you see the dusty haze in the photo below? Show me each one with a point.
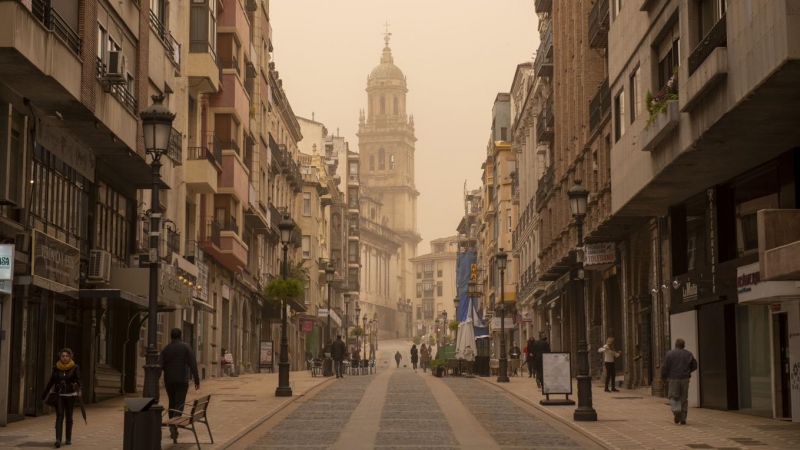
(457, 55)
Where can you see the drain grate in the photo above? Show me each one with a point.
(627, 398)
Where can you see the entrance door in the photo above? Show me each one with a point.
(783, 393)
(188, 335)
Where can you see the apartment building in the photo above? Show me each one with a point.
(435, 286)
(712, 163)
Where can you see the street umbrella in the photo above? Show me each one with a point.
(466, 338)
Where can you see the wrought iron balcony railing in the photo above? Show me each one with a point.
(716, 37)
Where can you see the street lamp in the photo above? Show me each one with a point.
(585, 412)
(346, 315)
(157, 128)
(366, 336)
(358, 339)
(502, 259)
(329, 272)
(286, 227)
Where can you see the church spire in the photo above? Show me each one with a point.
(387, 52)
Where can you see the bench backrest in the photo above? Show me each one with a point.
(199, 408)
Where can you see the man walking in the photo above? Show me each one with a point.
(397, 358)
(540, 348)
(177, 361)
(338, 349)
(677, 368)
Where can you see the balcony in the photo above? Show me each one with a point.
(379, 230)
(716, 37)
(354, 230)
(600, 106)
(231, 251)
(210, 235)
(51, 19)
(172, 48)
(233, 99)
(231, 63)
(118, 91)
(203, 66)
(543, 6)
(275, 153)
(175, 149)
(201, 170)
(170, 243)
(234, 179)
(543, 64)
(661, 124)
(598, 24)
(779, 244)
(545, 121)
(275, 216)
(545, 185)
(232, 18)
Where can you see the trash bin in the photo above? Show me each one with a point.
(142, 426)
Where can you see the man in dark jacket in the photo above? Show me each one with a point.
(539, 348)
(529, 359)
(677, 368)
(177, 361)
(338, 349)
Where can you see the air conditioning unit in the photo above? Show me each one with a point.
(99, 267)
(117, 67)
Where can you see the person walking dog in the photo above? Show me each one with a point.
(68, 386)
(338, 349)
(178, 362)
(609, 356)
(677, 368)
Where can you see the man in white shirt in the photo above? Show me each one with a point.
(609, 356)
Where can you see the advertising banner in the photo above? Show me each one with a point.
(266, 355)
(56, 262)
(556, 373)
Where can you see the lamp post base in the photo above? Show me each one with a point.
(503, 370)
(283, 389)
(585, 412)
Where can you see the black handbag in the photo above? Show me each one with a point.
(52, 399)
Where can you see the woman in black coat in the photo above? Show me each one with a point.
(414, 356)
(66, 382)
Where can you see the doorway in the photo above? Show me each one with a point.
(780, 339)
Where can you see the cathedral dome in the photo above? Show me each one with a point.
(386, 69)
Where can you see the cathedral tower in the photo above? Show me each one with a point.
(386, 146)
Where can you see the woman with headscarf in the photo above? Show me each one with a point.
(66, 382)
(424, 357)
(414, 356)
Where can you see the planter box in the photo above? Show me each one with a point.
(662, 126)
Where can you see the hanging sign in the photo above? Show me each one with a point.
(6, 262)
(597, 254)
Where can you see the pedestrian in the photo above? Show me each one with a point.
(540, 348)
(424, 358)
(515, 351)
(229, 366)
(178, 363)
(338, 349)
(610, 354)
(677, 368)
(414, 356)
(529, 360)
(397, 358)
(66, 382)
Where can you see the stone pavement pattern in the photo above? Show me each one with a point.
(237, 404)
(634, 419)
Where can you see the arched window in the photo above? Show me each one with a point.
(383, 105)
(371, 162)
(372, 213)
(396, 107)
(381, 159)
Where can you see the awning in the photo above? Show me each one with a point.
(47, 284)
(203, 306)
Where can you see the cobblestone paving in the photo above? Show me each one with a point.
(318, 423)
(508, 424)
(411, 417)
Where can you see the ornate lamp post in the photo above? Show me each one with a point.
(456, 304)
(346, 315)
(284, 389)
(157, 127)
(329, 272)
(376, 332)
(578, 196)
(366, 335)
(358, 339)
(445, 325)
(502, 258)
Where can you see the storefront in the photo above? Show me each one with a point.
(767, 319)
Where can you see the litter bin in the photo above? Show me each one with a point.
(142, 426)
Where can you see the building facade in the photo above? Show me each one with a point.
(435, 288)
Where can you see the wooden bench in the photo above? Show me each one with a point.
(187, 421)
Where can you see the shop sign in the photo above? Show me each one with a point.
(596, 254)
(323, 312)
(509, 323)
(67, 149)
(307, 326)
(6, 286)
(6, 262)
(136, 280)
(750, 287)
(55, 261)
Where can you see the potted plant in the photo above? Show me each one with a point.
(358, 331)
(284, 288)
(437, 367)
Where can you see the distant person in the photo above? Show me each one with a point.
(338, 349)
(178, 363)
(66, 382)
(540, 348)
(515, 351)
(609, 356)
(414, 356)
(529, 359)
(677, 368)
(424, 358)
(229, 366)
(397, 358)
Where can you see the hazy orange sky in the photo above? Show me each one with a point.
(457, 55)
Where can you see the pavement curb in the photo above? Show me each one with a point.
(554, 416)
(269, 415)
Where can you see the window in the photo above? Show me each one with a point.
(508, 220)
(381, 159)
(619, 116)
(391, 161)
(709, 13)
(306, 203)
(354, 168)
(503, 133)
(102, 35)
(427, 269)
(636, 102)
(419, 312)
(439, 289)
(427, 308)
(427, 289)
(383, 105)
(396, 107)
(372, 162)
(439, 269)
(419, 290)
(113, 222)
(617, 7)
(203, 26)
(306, 247)
(668, 56)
